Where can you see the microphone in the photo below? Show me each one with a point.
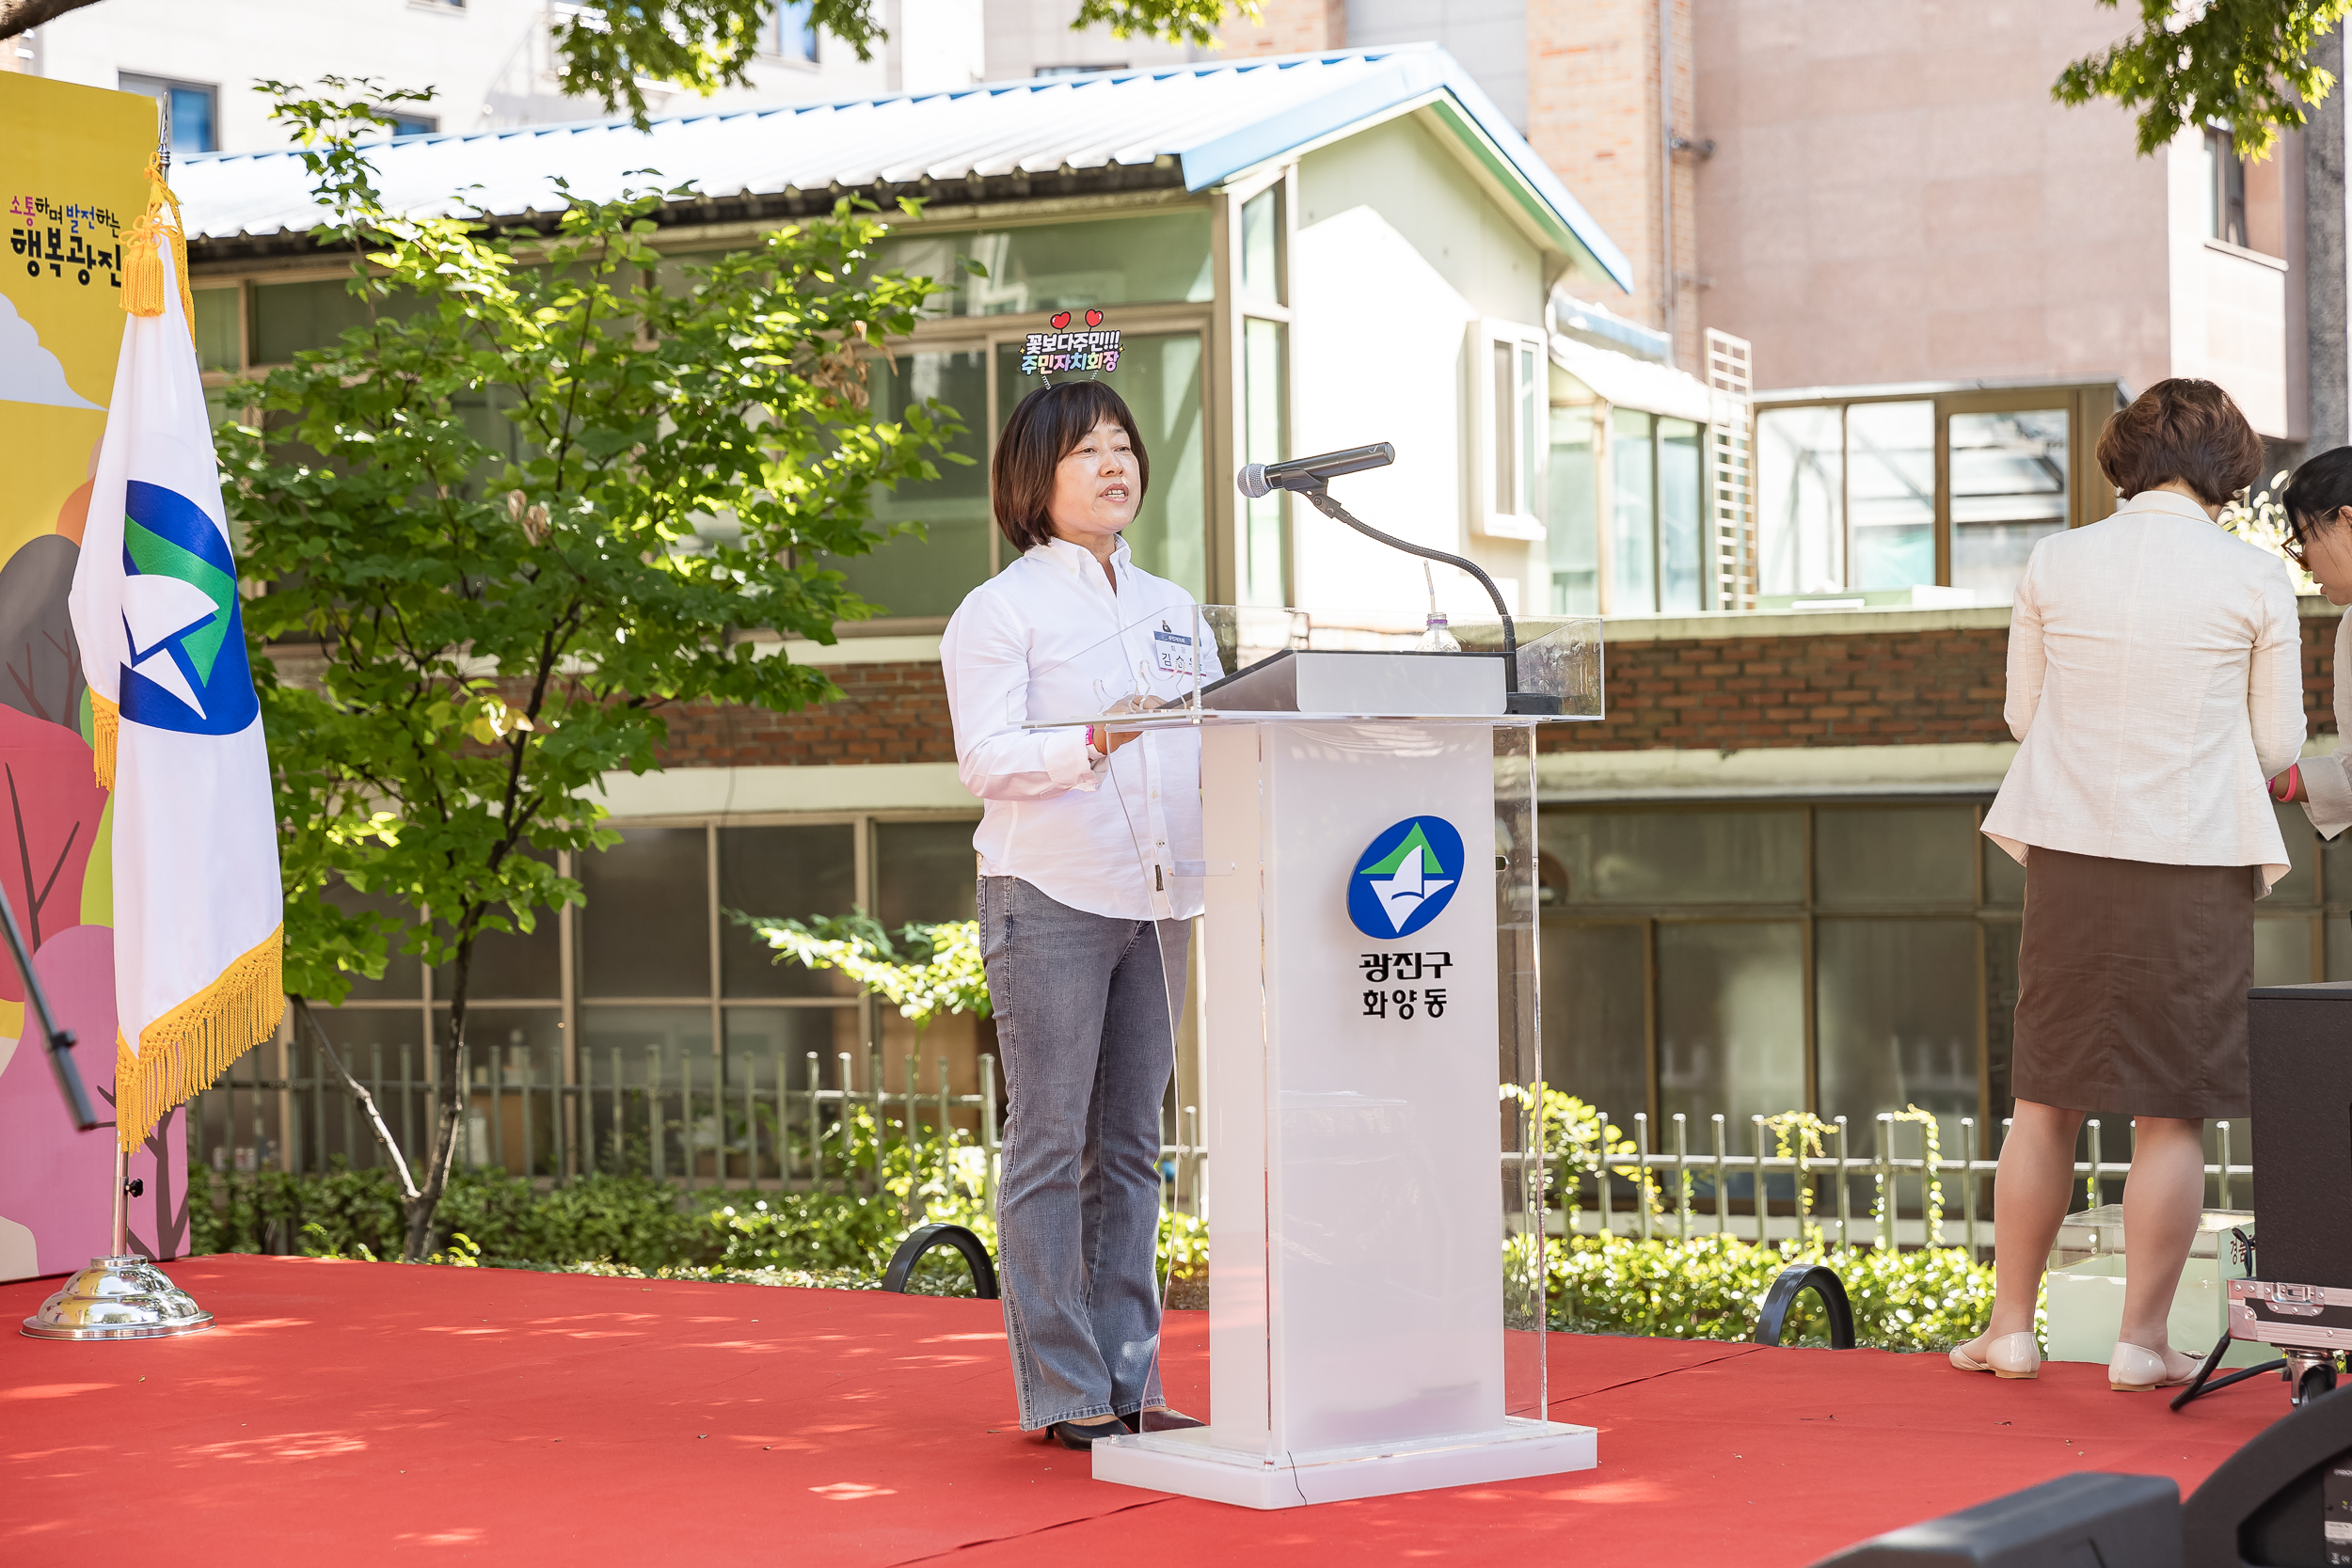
(1307, 473)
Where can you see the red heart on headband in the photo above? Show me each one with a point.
(1061, 321)
(1095, 318)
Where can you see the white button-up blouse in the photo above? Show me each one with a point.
(1043, 639)
(2154, 685)
(2327, 781)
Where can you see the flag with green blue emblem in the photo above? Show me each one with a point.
(177, 735)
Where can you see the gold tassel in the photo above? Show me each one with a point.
(142, 253)
(105, 722)
(182, 1053)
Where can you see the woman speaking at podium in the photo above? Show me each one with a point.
(2155, 684)
(1082, 923)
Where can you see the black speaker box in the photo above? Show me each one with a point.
(2302, 1066)
(2092, 1520)
(2272, 1503)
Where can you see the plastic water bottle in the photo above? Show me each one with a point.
(1438, 638)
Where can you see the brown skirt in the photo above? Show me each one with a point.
(2131, 986)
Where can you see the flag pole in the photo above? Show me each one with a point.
(121, 1295)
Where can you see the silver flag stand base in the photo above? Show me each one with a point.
(119, 1298)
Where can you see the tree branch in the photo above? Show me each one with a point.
(20, 16)
(367, 1100)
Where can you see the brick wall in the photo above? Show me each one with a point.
(1289, 28)
(1900, 689)
(1897, 689)
(1593, 115)
(887, 713)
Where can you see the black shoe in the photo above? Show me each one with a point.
(1161, 1420)
(1082, 1435)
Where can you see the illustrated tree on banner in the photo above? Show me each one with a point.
(175, 724)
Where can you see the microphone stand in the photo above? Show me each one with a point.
(1514, 701)
(60, 1042)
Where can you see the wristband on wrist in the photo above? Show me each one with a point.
(2293, 778)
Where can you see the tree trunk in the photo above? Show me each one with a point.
(449, 1121)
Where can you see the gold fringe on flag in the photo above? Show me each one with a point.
(142, 253)
(183, 1052)
(105, 722)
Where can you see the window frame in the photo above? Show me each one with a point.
(570, 1006)
(1998, 913)
(1525, 424)
(149, 87)
(770, 45)
(2088, 405)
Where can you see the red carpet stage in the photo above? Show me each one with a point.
(347, 1413)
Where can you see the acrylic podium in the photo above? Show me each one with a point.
(1362, 846)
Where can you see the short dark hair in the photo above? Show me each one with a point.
(2182, 428)
(1045, 429)
(2316, 493)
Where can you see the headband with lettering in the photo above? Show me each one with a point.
(1094, 350)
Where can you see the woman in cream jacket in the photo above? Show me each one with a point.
(2155, 685)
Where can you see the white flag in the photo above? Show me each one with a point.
(197, 909)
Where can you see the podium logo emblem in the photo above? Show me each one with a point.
(1406, 878)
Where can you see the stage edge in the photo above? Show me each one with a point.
(1187, 1462)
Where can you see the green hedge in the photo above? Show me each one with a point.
(1710, 1288)
(634, 1222)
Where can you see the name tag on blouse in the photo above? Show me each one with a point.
(1172, 652)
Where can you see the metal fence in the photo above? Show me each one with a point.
(1676, 1208)
(754, 1122)
(773, 1122)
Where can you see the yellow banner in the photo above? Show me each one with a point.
(72, 183)
(70, 159)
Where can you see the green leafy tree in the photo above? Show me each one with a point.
(550, 490)
(2241, 63)
(929, 970)
(613, 50)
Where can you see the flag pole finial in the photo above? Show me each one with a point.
(143, 259)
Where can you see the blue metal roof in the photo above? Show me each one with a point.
(1210, 121)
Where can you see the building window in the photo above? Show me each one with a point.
(661, 989)
(2008, 492)
(219, 330)
(2225, 189)
(186, 109)
(1262, 247)
(1845, 957)
(1265, 399)
(1918, 500)
(1264, 553)
(791, 32)
(414, 125)
(928, 574)
(1655, 533)
(1075, 69)
(1890, 492)
(1511, 368)
(1572, 525)
(1163, 258)
(1158, 259)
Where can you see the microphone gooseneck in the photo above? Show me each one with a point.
(1310, 476)
(1320, 496)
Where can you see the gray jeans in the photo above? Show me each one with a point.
(1084, 1029)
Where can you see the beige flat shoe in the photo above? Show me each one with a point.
(2135, 1370)
(2013, 1355)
